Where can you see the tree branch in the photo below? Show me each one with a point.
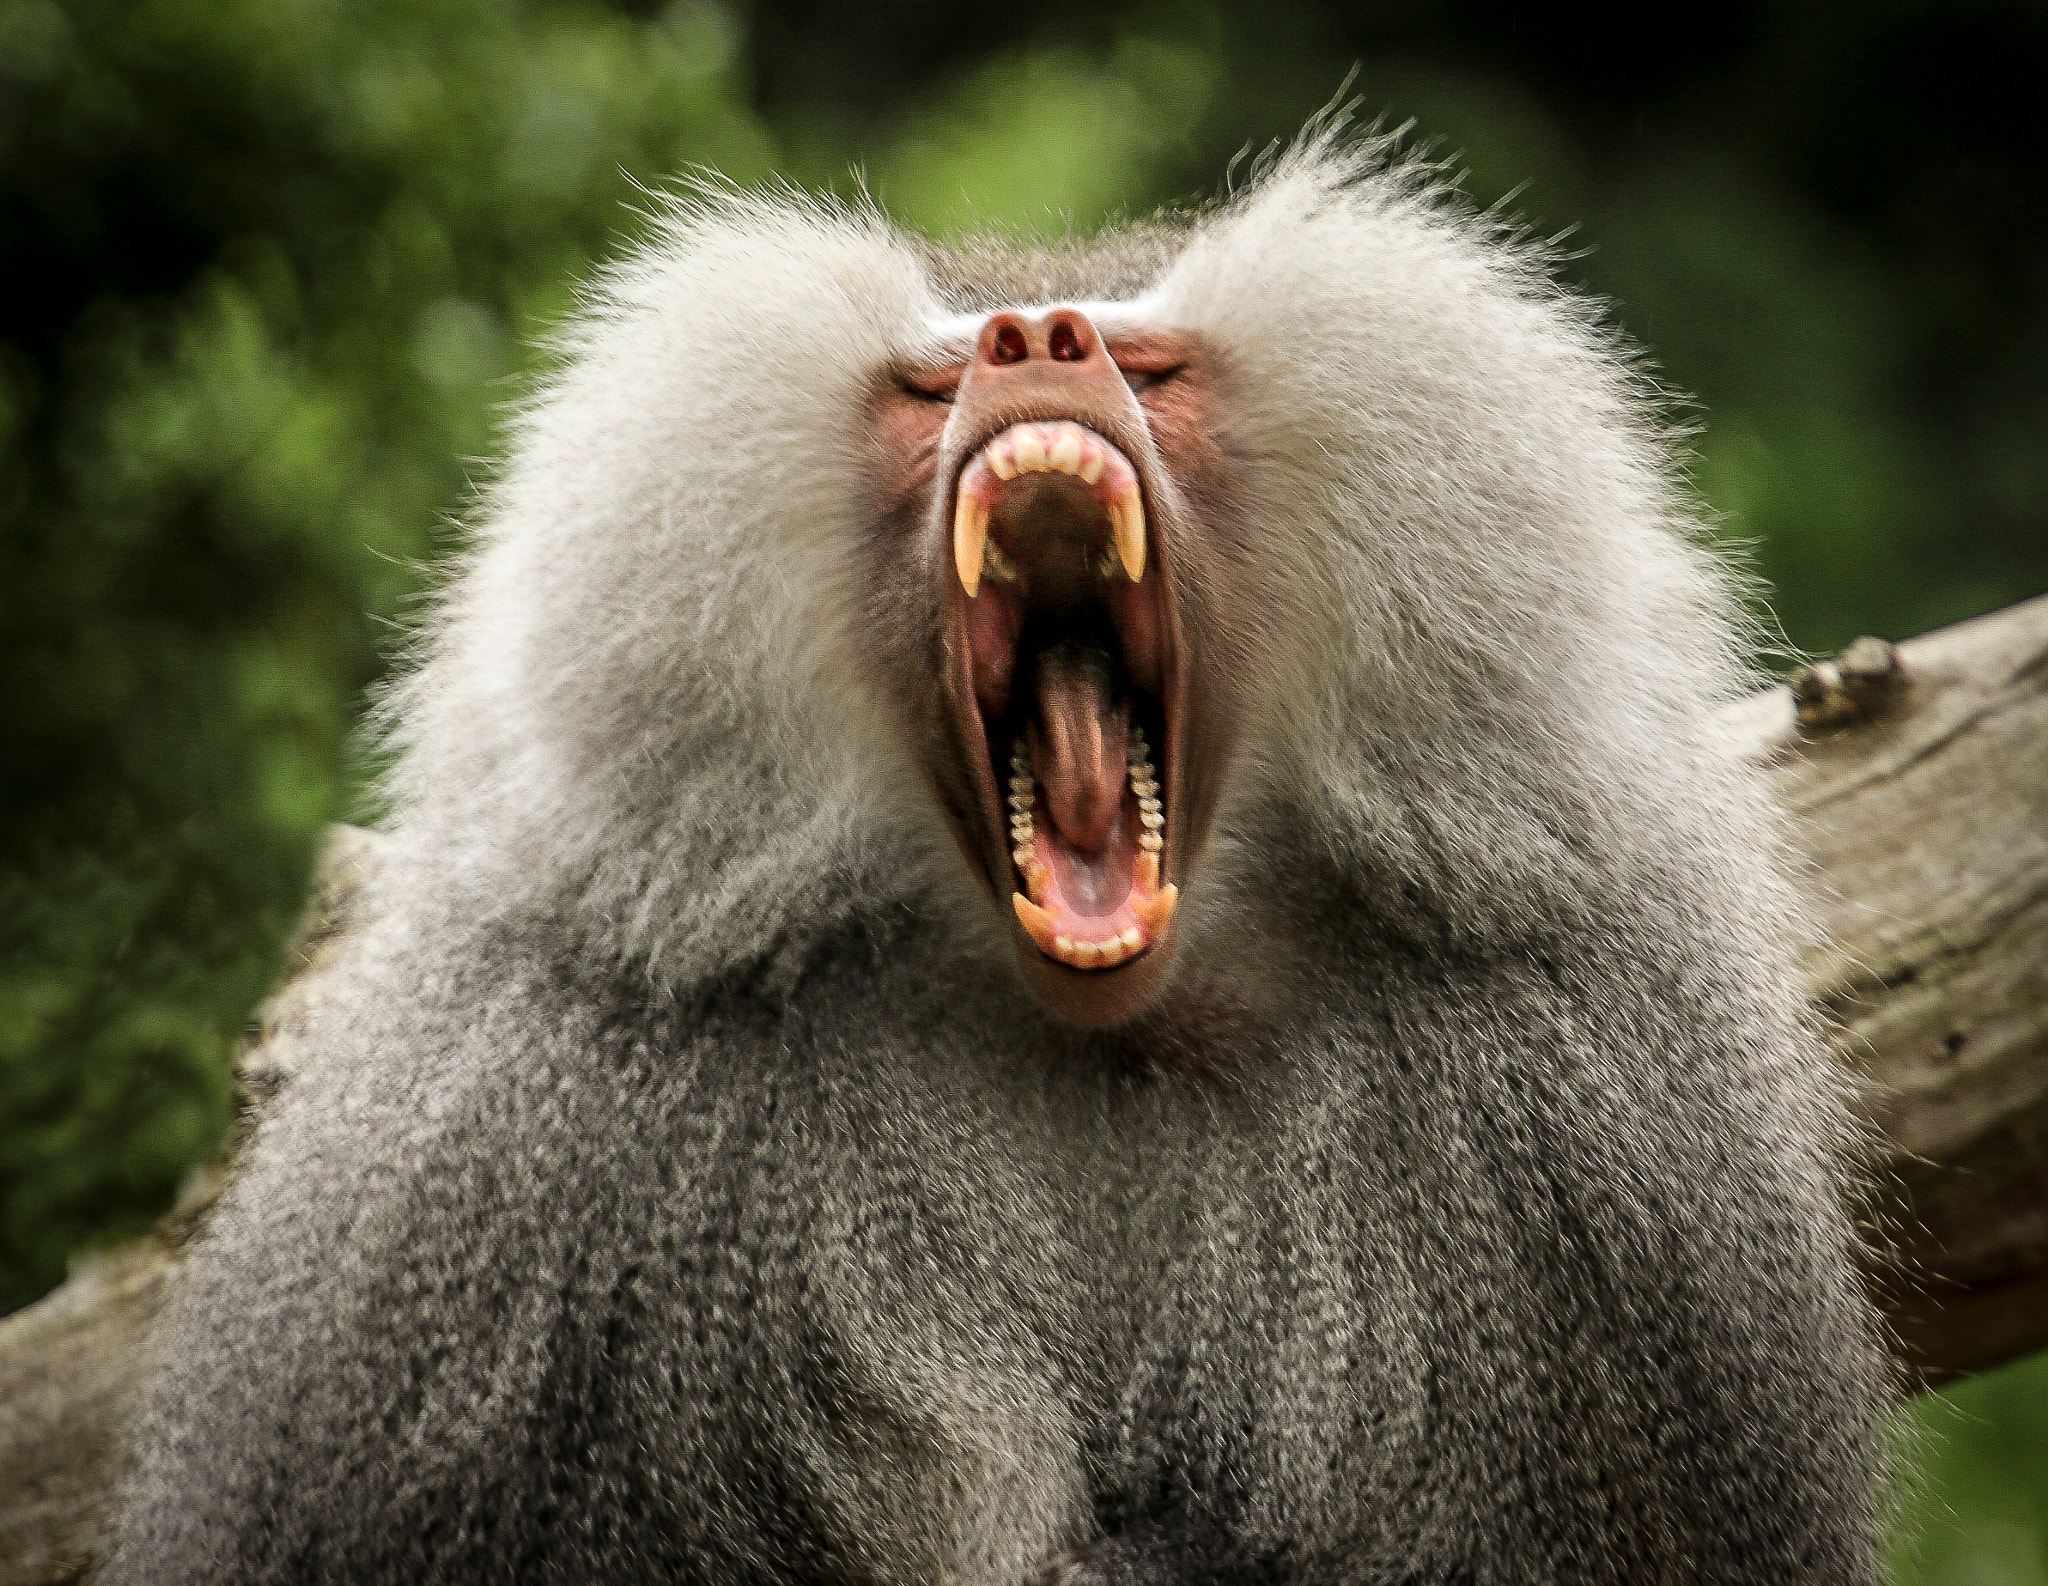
(1919, 782)
(1921, 794)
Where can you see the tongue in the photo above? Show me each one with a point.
(1078, 746)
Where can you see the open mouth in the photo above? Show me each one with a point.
(1069, 643)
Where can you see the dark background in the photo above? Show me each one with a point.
(269, 270)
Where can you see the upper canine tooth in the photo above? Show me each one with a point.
(1030, 450)
(1127, 522)
(970, 541)
(1066, 451)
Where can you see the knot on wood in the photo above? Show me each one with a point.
(1853, 687)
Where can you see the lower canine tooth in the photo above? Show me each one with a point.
(970, 541)
(1155, 911)
(1037, 922)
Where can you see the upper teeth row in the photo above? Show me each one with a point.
(1062, 447)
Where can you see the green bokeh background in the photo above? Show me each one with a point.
(273, 268)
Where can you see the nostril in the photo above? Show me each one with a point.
(1065, 343)
(1008, 345)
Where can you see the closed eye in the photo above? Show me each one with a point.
(928, 384)
(1141, 379)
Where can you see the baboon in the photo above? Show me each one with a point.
(1055, 914)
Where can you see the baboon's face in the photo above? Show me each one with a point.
(1064, 613)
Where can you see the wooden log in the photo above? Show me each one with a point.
(1921, 794)
(1918, 782)
(72, 1365)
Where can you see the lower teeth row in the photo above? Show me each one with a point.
(1151, 815)
(1024, 793)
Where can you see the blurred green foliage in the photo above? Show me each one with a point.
(272, 267)
(1974, 1508)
